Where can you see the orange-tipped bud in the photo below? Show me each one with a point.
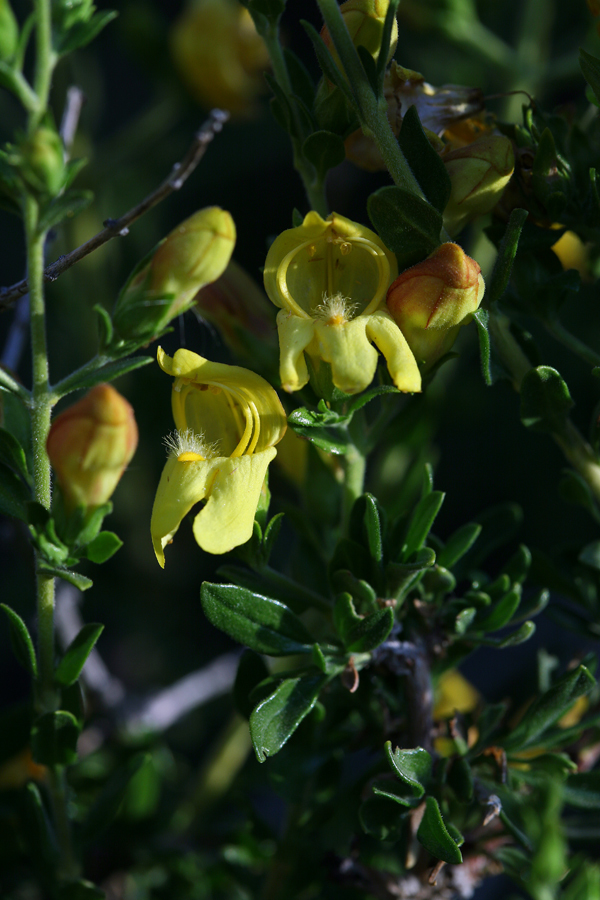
(194, 254)
(430, 301)
(90, 445)
(478, 172)
(364, 20)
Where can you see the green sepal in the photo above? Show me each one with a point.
(276, 718)
(261, 623)
(548, 709)
(425, 163)
(324, 150)
(54, 739)
(102, 547)
(545, 400)
(413, 767)
(409, 226)
(20, 640)
(435, 836)
(76, 654)
(12, 454)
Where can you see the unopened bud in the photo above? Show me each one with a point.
(43, 161)
(430, 301)
(90, 445)
(194, 254)
(9, 31)
(478, 172)
(220, 55)
(364, 20)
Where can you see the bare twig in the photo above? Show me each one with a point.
(115, 227)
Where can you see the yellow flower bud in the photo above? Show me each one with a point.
(430, 301)
(219, 55)
(479, 172)
(364, 20)
(194, 254)
(43, 164)
(90, 445)
(16, 771)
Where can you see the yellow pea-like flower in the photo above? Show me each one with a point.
(330, 277)
(227, 421)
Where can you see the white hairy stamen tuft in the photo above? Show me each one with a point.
(189, 441)
(336, 309)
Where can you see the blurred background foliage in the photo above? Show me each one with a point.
(137, 121)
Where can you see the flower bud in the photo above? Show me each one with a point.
(9, 31)
(220, 55)
(479, 172)
(42, 161)
(90, 445)
(430, 301)
(364, 20)
(194, 254)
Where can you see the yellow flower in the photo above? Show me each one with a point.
(220, 55)
(227, 421)
(330, 278)
(454, 694)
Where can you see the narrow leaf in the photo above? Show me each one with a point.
(107, 372)
(545, 400)
(14, 495)
(457, 545)
(481, 319)
(434, 835)
(421, 522)
(12, 454)
(506, 255)
(413, 767)
(408, 225)
(590, 66)
(426, 164)
(21, 641)
(370, 631)
(54, 739)
(73, 661)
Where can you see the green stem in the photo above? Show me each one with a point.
(371, 111)
(18, 84)
(68, 867)
(557, 329)
(314, 187)
(45, 61)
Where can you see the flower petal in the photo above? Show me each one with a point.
(228, 517)
(401, 363)
(182, 485)
(346, 347)
(295, 334)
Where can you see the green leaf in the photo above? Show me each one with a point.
(83, 33)
(275, 719)
(426, 164)
(460, 779)
(464, 620)
(413, 767)
(361, 400)
(74, 657)
(549, 708)
(301, 81)
(386, 38)
(590, 66)
(503, 611)
(261, 623)
(66, 206)
(481, 318)
(271, 533)
(394, 790)
(326, 61)
(79, 581)
(545, 400)
(54, 739)
(107, 372)
(400, 577)
(380, 818)
(507, 251)
(80, 890)
(14, 495)
(108, 803)
(12, 454)
(457, 544)
(345, 617)
(103, 546)
(41, 838)
(408, 226)
(582, 790)
(523, 634)
(590, 555)
(421, 521)
(270, 9)
(324, 150)
(20, 640)
(250, 672)
(371, 631)
(435, 836)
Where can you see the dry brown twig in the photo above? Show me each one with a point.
(120, 227)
